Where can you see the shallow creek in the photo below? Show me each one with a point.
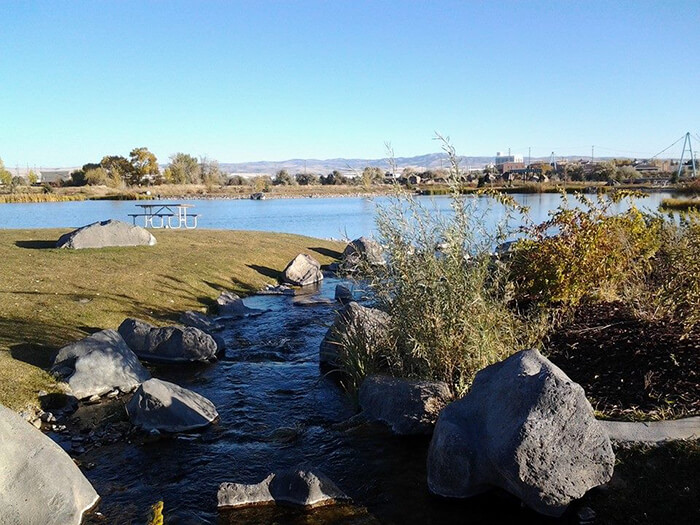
(277, 410)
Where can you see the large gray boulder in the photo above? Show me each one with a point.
(300, 487)
(363, 251)
(167, 407)
(524, 427)
(207, 325)
(408, 406)
(302, 271)
(354, 322)
(104, 234)
(39, 483)
(169, 344)
(229, 304)
(98, 364)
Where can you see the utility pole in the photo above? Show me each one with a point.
(592, 153)
(529, 157)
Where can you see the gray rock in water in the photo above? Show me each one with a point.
(98, 364)
(343, 293)
(302, 271)
(169, 344)
(207, 325)
(408, 406)
(524, 427)
(298, 487)
(231, 305)
(166, 407)
(363, 250)
(354, 321)
(201, 321)
(39, 483)
(104, 234)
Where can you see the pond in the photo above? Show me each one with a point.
(346, 217)
(278, 410)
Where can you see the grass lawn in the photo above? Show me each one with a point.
(50, 297)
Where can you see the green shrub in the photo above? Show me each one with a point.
(585, 252)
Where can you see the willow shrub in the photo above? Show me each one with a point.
(446, 293)
(672, 287)
(585, 252)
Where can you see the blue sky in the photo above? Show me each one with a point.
(241, 81)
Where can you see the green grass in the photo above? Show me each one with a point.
(50, 297)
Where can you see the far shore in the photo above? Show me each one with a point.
(38, 194)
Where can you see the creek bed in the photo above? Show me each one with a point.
(277, 410)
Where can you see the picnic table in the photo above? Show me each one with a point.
(166, 215)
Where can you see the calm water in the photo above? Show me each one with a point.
(324, 218)
(277, 410)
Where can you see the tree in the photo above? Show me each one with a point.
(283, 178)
(5, 176)
(210, 172)
(334, 178)
(604, 171)
(183, 169)
(118, 168)
(32, 177)
(236, 180)
(144, 166)
(306, 179)
(371, 175)
(96, 176)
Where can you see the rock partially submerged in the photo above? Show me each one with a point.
(524, 427)
(167, 407)
(407, 406)
(299, 487)
(201, 321)
(343, 294)
(302, 271)
(99, 364)
(229, 304)
(169, 344)
(362, 251)
(105, 234)
(39, 483)
(354, 321)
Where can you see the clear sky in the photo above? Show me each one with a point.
(263, 80)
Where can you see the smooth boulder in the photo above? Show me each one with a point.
(299, 487)
(354, 321)
(169, 344)
(105, 234)
(207, 325)
(229, 304)
(524, 427)
(167, 407)
(407, 406)
(302, 271)
(98, 364)
(363, 251)
(39, 483)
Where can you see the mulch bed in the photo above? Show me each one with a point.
(630, 368)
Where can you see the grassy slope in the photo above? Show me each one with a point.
(50, 297)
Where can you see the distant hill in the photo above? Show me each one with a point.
(349, 166)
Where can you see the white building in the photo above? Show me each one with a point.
(502, 158)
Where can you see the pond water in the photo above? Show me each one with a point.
(347, 217)
(278, 410)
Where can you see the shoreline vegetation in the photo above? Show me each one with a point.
(53, 297)
(40, 194)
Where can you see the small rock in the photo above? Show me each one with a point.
(343, 294)
(231, 305)
(36, 423)
(48, 417)
(299, 487)
(585, 515)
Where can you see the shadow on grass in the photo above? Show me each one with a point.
(36, 245)
(34, 354)
(266, 271)
(327, 252)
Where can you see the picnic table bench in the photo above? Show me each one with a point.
(175, 213)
